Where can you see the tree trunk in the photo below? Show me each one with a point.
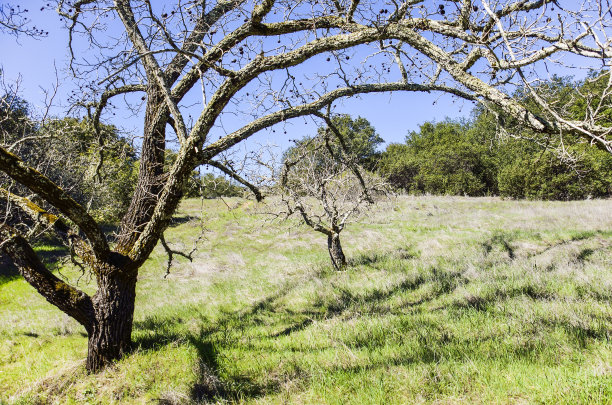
(150, 176)
(110, 335)
(335, 251)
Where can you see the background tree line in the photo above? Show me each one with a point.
(452, 157)
(472, 157)
(468, 157)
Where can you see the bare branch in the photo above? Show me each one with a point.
(72, 301)
(225, 169)
(171, 252)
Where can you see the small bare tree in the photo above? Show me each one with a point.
(322, 183)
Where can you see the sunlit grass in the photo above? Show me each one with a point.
(446, 300)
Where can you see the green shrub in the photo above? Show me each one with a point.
(442, 158)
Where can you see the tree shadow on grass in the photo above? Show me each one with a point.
(235, 330)
(153, 333)
(8, 271)
(211, 385)
(50, 253)
(179, 220)
(259, 328)
(372, 258)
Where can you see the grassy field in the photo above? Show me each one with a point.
(446, 300)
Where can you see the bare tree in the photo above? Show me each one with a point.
(254, 60)
(324, 185)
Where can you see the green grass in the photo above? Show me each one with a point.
(446, 300)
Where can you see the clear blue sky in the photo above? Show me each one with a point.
(36, 60)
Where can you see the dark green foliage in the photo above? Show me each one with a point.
(443, 158)
(14, 116)
(458, 158)
(535, 168)
(356, 144)
(219, 186)
(98, 169)
(359, 138)
(592, 90)
(533, 173)
(104, 166)
(467, 158)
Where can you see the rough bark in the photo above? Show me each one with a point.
(335, 251)
(72, 301)
(111, 331)
(150, 179)
(107, 316)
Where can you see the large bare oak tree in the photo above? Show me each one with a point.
(271, 61)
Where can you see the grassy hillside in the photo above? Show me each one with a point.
(446, 300)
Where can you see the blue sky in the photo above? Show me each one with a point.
(36, 62)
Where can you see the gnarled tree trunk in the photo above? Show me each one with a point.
(110, 334)
(107, 316)
(335, 250)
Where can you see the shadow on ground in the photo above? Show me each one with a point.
(49, 250)
(262, 326)
(8, 271)
(231, 328)
(179, 220)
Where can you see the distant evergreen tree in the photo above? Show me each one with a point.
(359, 137)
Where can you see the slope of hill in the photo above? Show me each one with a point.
(445, 300)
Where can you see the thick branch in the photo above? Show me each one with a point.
(315, 226)
(70, 300)
(271, 29)
(237, 177)
(312, 108)
(50, 221)
(15, 168)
